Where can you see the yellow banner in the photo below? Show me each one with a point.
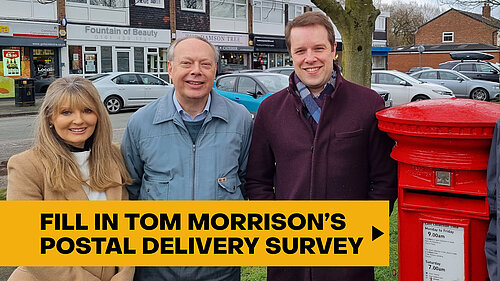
(194, 233)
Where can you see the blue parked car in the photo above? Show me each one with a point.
(250, 89)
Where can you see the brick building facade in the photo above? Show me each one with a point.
(465, 27)
(453, 30)
(149, 17)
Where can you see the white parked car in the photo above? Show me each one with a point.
(384, 94)
(404, 88)
(128, 89)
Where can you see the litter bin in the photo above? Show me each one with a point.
(442, 149)
(25, 92)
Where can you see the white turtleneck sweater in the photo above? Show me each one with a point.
(82, 158)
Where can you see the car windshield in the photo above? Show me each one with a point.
(459, 75)
(273, 83)
(409, 78)
(97, 77)
(495, 67)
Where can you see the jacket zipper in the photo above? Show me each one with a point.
(194, 168)
(301, 116)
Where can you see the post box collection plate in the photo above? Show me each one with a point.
(443, 247)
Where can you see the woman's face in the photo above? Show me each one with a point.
(74, 125)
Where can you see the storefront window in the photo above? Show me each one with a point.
(233, 61)
(260, 61)
(90, 56)
(163, 60)
(152, 60)
(123, 58)
(279, 59)
(288, 60)
(106, 59)
(272, 60)
(44, 63)
(75, 56)
(139, 59)
(378, 62)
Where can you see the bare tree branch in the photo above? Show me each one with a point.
(404, 20)
(470, 3)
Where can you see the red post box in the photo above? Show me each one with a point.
(442, 149)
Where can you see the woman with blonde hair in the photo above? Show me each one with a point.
(73, 159)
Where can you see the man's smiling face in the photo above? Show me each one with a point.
(192, 70)
(312, 56)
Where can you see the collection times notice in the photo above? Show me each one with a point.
(443, 252)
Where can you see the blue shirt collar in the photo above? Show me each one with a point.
(187, 117)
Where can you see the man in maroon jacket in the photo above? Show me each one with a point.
(318, 140)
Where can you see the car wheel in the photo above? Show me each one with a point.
(419, 97)
(113, 104)
(479, 94)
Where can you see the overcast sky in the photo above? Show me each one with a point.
(494, 12)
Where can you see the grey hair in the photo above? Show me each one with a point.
(171, 49)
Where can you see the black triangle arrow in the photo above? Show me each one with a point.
(376, 233)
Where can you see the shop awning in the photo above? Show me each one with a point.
(32, 42)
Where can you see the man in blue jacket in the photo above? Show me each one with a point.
(191, 144)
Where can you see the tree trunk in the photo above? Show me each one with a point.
(356, 24)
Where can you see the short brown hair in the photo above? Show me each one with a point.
(307, 19)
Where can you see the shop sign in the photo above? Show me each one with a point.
(11, 63)
(218, 39)
(29, 29)
(270, 44)
(263, 42)
(113, 33)
(235, 48)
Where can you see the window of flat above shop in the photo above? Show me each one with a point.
(268, 11)
(104, 3)
(150, 3)
(294, 11)
(193, 5)
(380, 23)
(232, 9)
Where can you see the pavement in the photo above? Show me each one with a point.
(8, 107)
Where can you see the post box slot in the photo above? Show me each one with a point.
(445, 202)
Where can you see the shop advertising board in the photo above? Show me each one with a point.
(11, 62)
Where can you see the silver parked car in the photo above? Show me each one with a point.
(461, 85)
(128, 89)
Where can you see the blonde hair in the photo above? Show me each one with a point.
(61, 169)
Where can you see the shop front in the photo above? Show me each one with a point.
(100, 49)
(380, 57)
(235, 54)
(30, 50)
(270, 52)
